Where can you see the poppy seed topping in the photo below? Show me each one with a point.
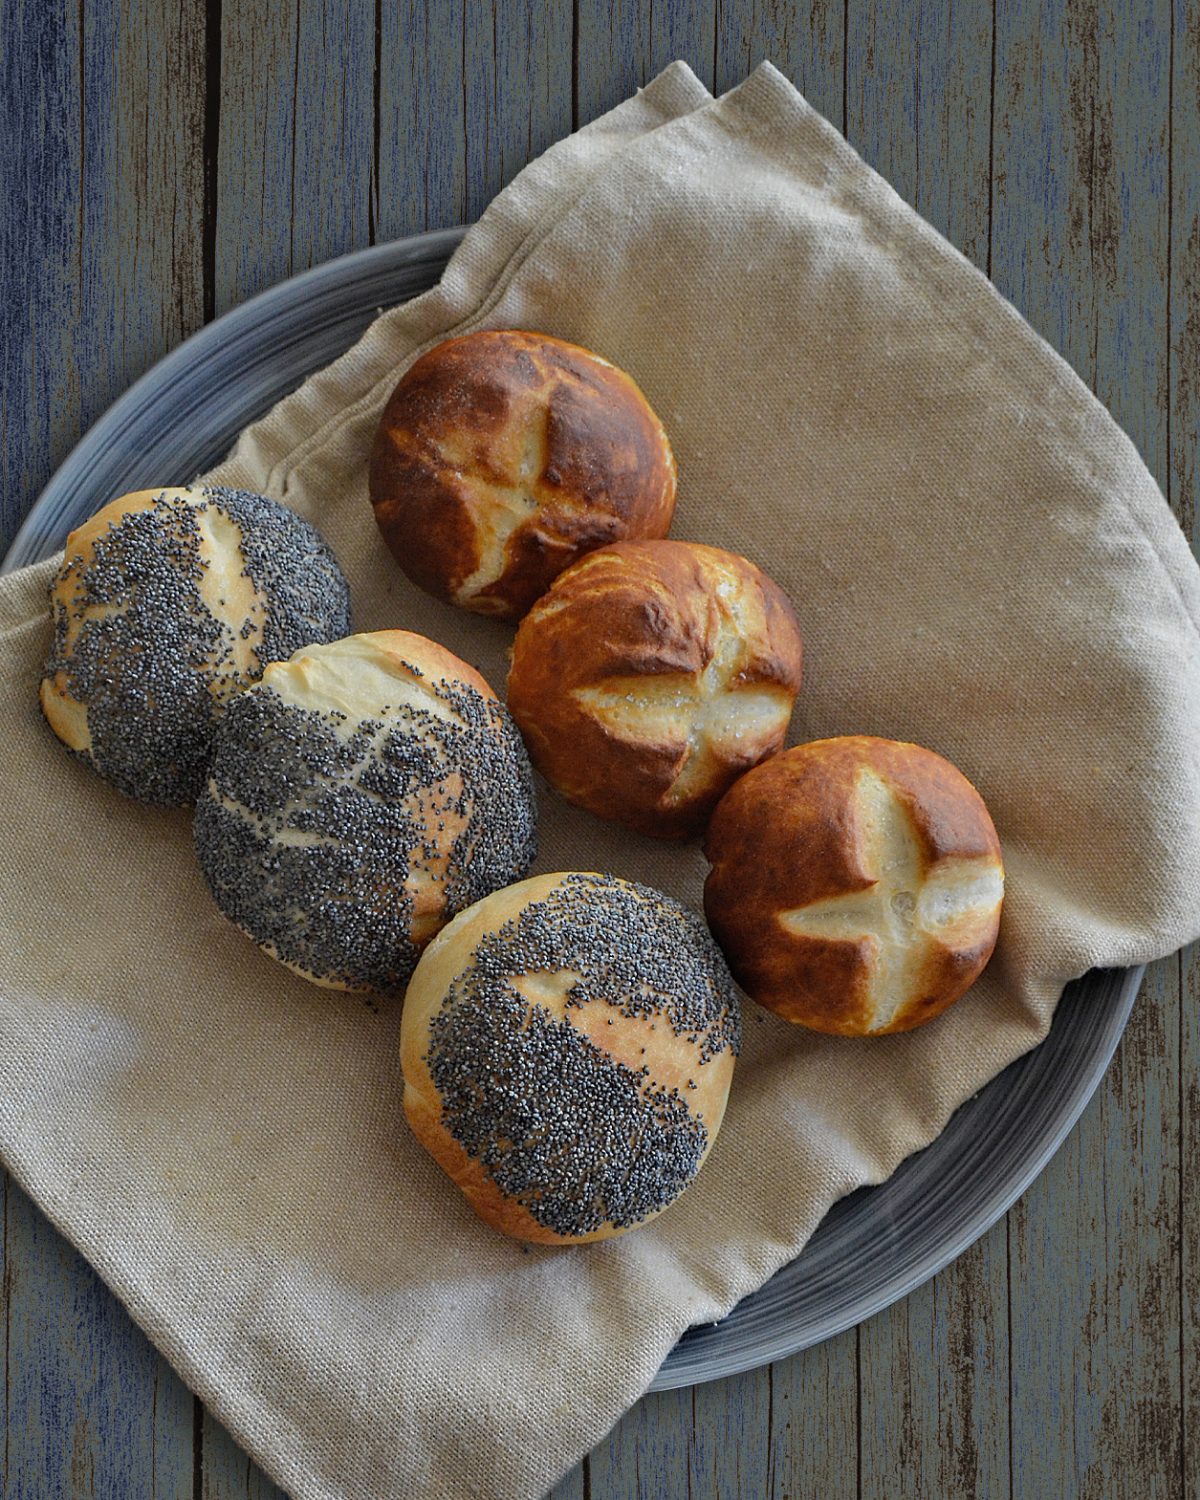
(166, 603)
(340, 839)
(583, 1140)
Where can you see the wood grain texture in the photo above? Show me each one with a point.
(91, 1409)
(803, 38)
(1183, 397)
(40, 248)
(621, 44)
(815, 1417)
(102, 273)
(1081, 242)
(163, 163)
(1183, 431)
(224, 1471)
(933, 1369)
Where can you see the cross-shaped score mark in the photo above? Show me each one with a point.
(711, 716)
(908, 910)
(498, 507)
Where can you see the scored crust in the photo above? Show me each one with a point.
(503, 455)
(651, 676)
(856, 884)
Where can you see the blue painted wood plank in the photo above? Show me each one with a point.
(1183, 398)
(814, 1423)
(934, 1383)
(1189, 1175)
(933, 1369)
(621, 44)
(256, 93)
(141, 180)
(92, 1410)
(466, 98)
(296, 140)
(803, 38)
(422, 118)
(334, 144)
(730, 1451)
(647, 1454)
(39, 248)
(226, 1473)
(918, 96)
(101, 265)
(1080, 242)
(517, 91)
(1183, 472)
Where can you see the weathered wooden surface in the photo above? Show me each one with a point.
(161, 163)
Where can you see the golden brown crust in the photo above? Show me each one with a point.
(792, 842)
(673, 1061)
(651, 676)
(502, 456)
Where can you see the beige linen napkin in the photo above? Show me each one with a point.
(980, 563)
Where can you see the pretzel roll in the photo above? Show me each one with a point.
(167, 602)
(358, 796)
(567, 1047)
(856, 884)
(651, 676)
(503, 456)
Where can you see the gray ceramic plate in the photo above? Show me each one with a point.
(873, 1247)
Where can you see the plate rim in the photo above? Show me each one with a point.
(675, 1373)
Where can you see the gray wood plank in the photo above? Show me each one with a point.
(803, 38)
(1080, 242)
(92, 1410)
(935, 1373)
(1183, 481)
(621, 44)
(102, 268)
(422, 118)
(40, 223)
(814, 1423)
(226, 1473)
(933, 1368)
(647, 1454)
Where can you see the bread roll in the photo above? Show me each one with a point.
(856, 884)
(503, 456)
(651, 676)
(358, 796)
(567, 1047)
(167, 602)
